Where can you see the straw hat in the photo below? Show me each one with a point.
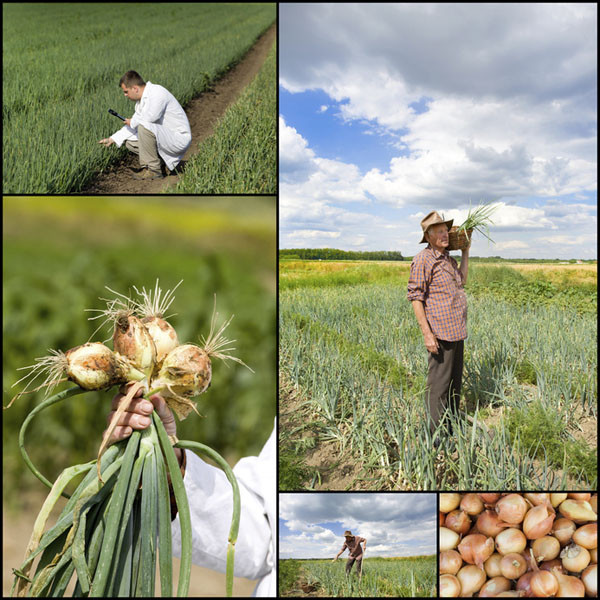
(348, 534)
(433, 218)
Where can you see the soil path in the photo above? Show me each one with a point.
(203, 113)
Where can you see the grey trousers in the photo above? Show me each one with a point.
(350, 562)
(146, 149)
(444, 380)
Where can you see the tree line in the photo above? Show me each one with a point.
(334, 254)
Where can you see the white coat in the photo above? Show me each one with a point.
(211, 504)
(159, 112)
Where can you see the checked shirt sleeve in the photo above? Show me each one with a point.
(419, 278)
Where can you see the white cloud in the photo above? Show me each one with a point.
(512, 245)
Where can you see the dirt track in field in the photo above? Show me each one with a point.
(203, 113)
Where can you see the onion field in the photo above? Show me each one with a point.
(61, 69)
(352, 358)
(413, 577)
(240, 157)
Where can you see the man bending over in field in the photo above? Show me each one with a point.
(353, 544)
(158, 129)
(436, 290)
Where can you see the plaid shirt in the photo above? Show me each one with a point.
(436, 280)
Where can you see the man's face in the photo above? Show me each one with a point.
(133, 93)
(437, 235)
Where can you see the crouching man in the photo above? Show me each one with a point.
(159, 128)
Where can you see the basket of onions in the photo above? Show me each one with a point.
(518, 545)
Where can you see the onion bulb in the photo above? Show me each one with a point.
(471, 504)
(449, 502)
(449, 586)
(580, 496)
(577, 510)
(590, 580)
(489, 498)
(458, 521)
(471, 579)
(587, 536)
(512, 508)
(556, 499)
(492, 587)
(513, 565)
(543, 584)
(538, 521)
(490, 524)
(163, 335)
(450, 562)
(575, 558)
(510, 540)
(132, 340)
(545, 548)
(568, 586)
(492, 565)
(476, 548)
(563, 530)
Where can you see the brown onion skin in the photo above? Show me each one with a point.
(492, 565)
(539, 499)
(576, 588)
(580, 496)
(512, 508)
(450, 562)
(492, 587)
(587, 536)
(472, 504)
(575, 558)
(510, 540)
(449, 583)
(513, 565)
(458, 521)
(538, 521)
(563, 530)
(524, 583)
(548, 565)
(489, 498)
(543, 584)
(475, 549)
(589, 577)
(546, 548)
(490, 524)
(442, 518)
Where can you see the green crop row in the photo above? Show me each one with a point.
(61, 68)
(241, 155)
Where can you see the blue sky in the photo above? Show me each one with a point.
(389, 111)
(312, 525)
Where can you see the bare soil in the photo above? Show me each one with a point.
(203, 113)
(17, 528)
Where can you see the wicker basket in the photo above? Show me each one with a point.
(459, 241)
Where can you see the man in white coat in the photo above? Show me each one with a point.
(159, 128)
(211, 501)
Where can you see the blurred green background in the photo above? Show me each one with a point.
(61, 252)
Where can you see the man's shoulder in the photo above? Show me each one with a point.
(423, 255)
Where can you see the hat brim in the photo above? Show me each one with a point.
(447, 223)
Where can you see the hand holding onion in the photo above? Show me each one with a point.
(138, 416)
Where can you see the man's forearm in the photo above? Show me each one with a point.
(464, 265)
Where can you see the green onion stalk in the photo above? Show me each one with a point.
(478, 219)
(116, 525)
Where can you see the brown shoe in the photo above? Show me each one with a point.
(146, 173)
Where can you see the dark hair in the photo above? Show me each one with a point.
(130, 79)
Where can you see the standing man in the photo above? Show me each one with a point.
(353, 544)
(158, 129)
(436, 290)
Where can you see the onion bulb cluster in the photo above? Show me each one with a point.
(145, 348)
(518, 544)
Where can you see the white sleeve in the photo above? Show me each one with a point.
(211, 503)
(125, 133)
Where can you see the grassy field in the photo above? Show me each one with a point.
(353, 363)
(62, 64)
(59, 253)
(413, 577)
(241, 156)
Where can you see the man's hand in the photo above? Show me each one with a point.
(127, 122)
(106, 142)
(138, 416)
(431, 343)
